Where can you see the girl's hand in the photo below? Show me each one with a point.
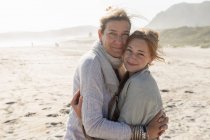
(157, 125)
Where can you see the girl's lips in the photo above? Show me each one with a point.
(131, 64)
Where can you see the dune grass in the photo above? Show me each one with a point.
(186, 36)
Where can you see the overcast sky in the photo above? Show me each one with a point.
(40, 15)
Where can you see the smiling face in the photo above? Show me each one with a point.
(137, 55)
(115, 36)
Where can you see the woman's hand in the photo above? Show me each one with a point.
(157, 125)
(76, 104)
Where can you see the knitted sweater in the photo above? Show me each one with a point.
(97, 82)
(140, 99)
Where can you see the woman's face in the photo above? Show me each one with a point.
(115, 36)
(136, 55)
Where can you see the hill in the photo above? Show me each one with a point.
(186, 36)
(183, 14)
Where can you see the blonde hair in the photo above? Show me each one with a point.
(152, 39)
(113, 14)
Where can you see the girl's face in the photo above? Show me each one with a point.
(136, 55)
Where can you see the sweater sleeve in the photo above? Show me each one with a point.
(92, 88)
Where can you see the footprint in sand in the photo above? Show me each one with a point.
(53, 124)
(29, 114)
(47, 108)
(167, 137)
(11, 121)
(171, 106)
(58, 136)
(10, 103)
(56, 123)
(188, 91)
(52, 115)
(64, 111)
(190, 118)
(10, 132)
(164, 90)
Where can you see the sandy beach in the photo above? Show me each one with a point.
(36, 85)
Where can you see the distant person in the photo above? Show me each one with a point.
(138, 99)
(97, 77)
(57, 44)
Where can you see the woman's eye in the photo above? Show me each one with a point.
(113, 34)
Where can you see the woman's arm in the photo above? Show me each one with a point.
(93, 90)
(93, 120)
(156, 127)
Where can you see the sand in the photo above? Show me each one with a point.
(36, 88)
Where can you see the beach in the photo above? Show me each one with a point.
(36, 89)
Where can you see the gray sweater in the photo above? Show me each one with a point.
(139, 99)
(97, 82)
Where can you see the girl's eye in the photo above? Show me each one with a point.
(140, 54)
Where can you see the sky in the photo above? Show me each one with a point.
(41, 15)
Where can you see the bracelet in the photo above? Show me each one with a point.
(141, 130)
(138, 133)
(144, 134)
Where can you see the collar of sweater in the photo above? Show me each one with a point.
(115, 62)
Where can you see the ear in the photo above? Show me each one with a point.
(100, 34)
